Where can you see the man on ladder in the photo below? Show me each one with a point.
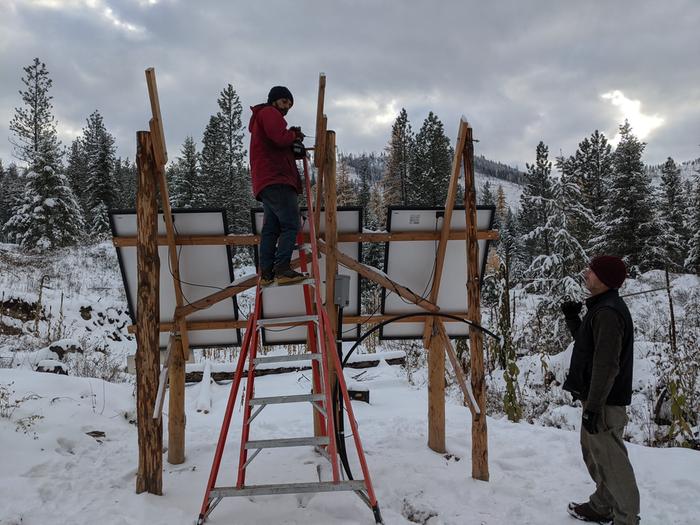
(326, 364)
(276, 182)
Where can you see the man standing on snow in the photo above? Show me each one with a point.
(276, 182)
(600, 376)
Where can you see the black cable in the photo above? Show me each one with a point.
(404, 316)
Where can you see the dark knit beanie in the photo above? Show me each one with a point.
(279, 92)
(610, 270)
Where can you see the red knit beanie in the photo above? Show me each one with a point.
(609, 269)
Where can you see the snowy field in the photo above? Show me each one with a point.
(57, 474)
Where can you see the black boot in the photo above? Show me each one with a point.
(584, 512)
(285, 275)
(267, 277)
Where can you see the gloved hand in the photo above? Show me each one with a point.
(571, 309)
(297, 130)
(298, 150)
(589, 420)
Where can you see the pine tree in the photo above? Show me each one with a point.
(533, 205)
(125, 180)
(486, 196)
(100, 191)
(593, 172)
(47, 214)
(212, 160)
(627, 221)
(223, 162)
(692, 261)
(76, 172)
(346, 192)
(554, 273)
(429, 172)
(399, 153)
(363, 168)
(186, 189)
(671, 215)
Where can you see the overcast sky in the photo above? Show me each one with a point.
(520, 71)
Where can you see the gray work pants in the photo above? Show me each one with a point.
(605, 456)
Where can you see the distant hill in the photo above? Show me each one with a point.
(498, 170)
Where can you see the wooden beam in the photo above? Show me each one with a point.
(446, 223)
(149, 476)
(320, 128)
(456, 366)
(480, 461)
(370, 319)
(379, 278)
(249, 239)
(320, 154)
(181, 312)
(157, 135)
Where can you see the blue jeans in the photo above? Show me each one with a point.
(280, 225)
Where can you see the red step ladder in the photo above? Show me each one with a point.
(322, 349)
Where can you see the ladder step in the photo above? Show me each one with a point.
(287, 442)
(287, 488)
(286, 358)
(278, 400)
(288, 320)
(310, 281)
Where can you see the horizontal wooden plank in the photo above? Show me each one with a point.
(248, 239)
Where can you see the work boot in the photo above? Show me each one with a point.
(267, 277)
(285, 275)
(584, 512)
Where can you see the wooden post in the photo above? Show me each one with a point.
(331, 234)
(176, 410)
(480, 459)
(176, 404)
(436, 349)
(149, 477)
(436, 395)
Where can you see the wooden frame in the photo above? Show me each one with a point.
(152, 157)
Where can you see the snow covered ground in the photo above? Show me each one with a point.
(56, 473)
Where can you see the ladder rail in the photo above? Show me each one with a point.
(353, 423)
(313, 342)
(225, 425)
(250, 386)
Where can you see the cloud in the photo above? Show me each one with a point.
(631, 110)
(520, 74)
(368, 115)
(98, 7)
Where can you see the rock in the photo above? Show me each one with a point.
(51, 366)
(86, 312)
(65, 346)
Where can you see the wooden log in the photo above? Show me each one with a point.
(176, 404)
(197, 376)
(331, 230)
(480, 461)
(150, 431)
(436, 396)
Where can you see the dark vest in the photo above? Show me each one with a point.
(579, 379)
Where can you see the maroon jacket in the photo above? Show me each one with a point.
(271, 157)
